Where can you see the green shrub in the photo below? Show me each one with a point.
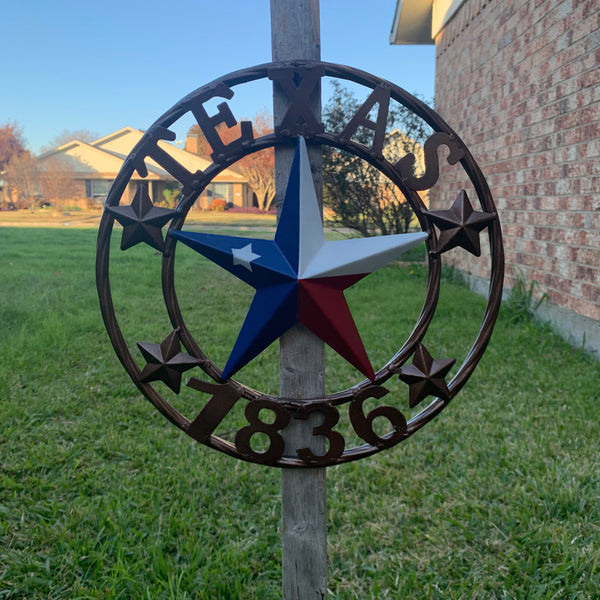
(521, 303)
(171, 196)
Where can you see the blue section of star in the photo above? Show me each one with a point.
(274, 309)
(270, 268)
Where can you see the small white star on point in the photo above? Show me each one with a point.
(244, 256)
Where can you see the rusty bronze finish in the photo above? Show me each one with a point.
(432, 171)
(336, 441)
(142, 221)
(363, 424)
(458, 226)
(166, 362)
(299, 84)
(426, 376)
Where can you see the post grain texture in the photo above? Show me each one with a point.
(295, 35)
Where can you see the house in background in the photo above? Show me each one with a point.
(93, 167)
(519, 82)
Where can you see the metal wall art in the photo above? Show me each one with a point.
(298, 277)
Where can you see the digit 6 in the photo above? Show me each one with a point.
(363, 425)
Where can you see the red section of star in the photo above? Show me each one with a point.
(322, 308)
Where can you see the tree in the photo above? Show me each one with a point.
(27, 179)
(11, 143)
(57, 182)
(56, 175)
(358, 195)
(22, 179)
(171, 195)
(258, 168)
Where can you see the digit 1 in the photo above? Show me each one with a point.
(224, 397)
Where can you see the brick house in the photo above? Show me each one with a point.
(94, 165)
(519, 80)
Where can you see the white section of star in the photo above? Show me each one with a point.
(363, 255)
(244, 256)
(319, 258)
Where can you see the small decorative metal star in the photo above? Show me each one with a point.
(460, 226)
(166, 362)
(142, 221)
(425, 376)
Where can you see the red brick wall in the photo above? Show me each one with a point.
(519, 80)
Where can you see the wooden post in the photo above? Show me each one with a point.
(295, 34)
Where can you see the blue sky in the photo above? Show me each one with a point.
(70, 65)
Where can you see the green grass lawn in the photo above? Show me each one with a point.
(100, 497)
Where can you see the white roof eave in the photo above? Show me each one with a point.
(412, 22)
(420, 21)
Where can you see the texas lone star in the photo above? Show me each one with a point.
(299, 277)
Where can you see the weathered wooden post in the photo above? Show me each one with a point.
(295, 35)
